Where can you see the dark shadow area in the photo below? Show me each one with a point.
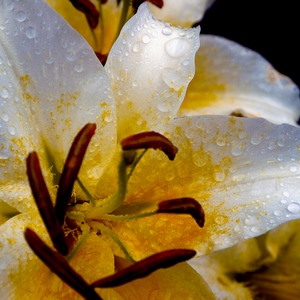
(269, 27)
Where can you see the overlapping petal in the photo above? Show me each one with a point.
(150, 67)
(231, 79)
(51, 85)
(244, 172)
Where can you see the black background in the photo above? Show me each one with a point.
(269, 27)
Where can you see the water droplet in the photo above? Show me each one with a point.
(294, 208)
(286, 194)
(146, 39)
(255, 229)
(170, 176)
(49, 58)
(30, 32)
(21, 16)
(5, 117)
(70, 56)
(186, 62)
(39, 12)
(167, 31)
(256, 139)
(163, 106)
(272, 146)
(251, 220)
(198, 160)
(220, 220)
(236, 148)
(78, 68)
(12, 130)
(294, 168)
(4, 93)
(135, 84)
(278, 213)
(136, 47)
(219, 176)
(177, 47)
(220, 141)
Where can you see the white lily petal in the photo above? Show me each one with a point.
(181, 12)
(17, 258)
(233, 79)
(150, 66)
(51, 85)
(244, 172)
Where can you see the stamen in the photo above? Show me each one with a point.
(137, 3)
(58, 265)
(88, 8)
(71, 169)
(145, 267)
(183, 206)
(43, 202)
(150, 139)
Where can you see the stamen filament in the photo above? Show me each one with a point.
(136, 161)
(88, 194)
(108, 217)
(123, 18)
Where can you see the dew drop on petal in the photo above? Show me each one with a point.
(146, 38)
(167, 31)
(30, 32)
(5, 117)
(78, 68)
(21, 16)
(294, 208)
(256, 139)
(293, 168)
(136, 48)
(251, 220)
(12, 130)
(177, 47)
(4, 92)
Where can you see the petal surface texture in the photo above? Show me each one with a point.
(244, 172)
(51, 84)
(231, 79)
(150, 66)
(181, 12)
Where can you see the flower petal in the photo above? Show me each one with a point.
(231, 79)
(150, 66)
(51, 85)
(244, 172)
(182, 12)
(178, 282)
(23, 275)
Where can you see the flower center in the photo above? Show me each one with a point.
(70, 222)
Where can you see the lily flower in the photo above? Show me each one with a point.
(242, 171)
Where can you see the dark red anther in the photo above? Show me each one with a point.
(88, 8)
(71, 170)
(43, 202)
(183, 206)
(150, 139)
(58, 265)
(145, 267)
(137, 3)
(101, 57)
